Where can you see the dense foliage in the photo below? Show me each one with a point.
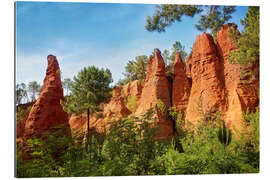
(88, 89)
(22, 113)
(248, 42)
(136, 69)
(211, 17)
(128, 147)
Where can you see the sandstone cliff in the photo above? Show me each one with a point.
(241, 85)
(156, 88)
(181, 85)
(207, 83)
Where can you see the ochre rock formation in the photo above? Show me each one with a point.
(111, 111)
(207, 91)
(207, 84)
(47, 112)
(241, 85)
(131, 89)
(156, 88)
(181, 85)
(219, 84)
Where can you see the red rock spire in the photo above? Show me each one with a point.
(47, 112)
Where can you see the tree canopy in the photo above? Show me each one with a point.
(88, 89)
(248, 42)
(21, 93)
(67, 85)
(211, 17)
(136, 69)
(33, 88)
(178, 47)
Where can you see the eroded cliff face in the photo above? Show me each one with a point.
(116, 108)
(241, 83)
(156, 88)
(206, 84)
(47, 112)
(204, 69)
(181, 85)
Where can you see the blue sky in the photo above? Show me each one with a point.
(85, 34)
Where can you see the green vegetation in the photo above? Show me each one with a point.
(248, 42)
(161, 108)
(67, 85)
(132, 103)
(33, 88)
(21, 93)
(22, 113)
(128, 147)
(88, 89)
(224, 135)
(136, 69)
(177, 47)
(211, 17)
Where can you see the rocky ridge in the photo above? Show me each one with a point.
(207, 83)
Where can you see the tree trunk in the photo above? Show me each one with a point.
(88, 130)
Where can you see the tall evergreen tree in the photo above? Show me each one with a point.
(88, 89)
(248, 42)
(135, 70)
(165, 55)
(177, 47)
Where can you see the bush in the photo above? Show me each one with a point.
(132, 103)
(128, 147)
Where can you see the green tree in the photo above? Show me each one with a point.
(248, 42)
(177, 47)
(212, 17)
(67, 85)
(215, 18)
(136, 70)
(21, 93)
(165, 55)
(88, 89)
(33, 88)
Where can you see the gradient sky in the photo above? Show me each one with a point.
(84, 34)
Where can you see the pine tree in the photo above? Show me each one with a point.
(212, 17)
(136, 69)
(88, 89)
(248, 42)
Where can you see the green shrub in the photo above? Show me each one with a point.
(128, 147)
(132, 103)
(161, 108)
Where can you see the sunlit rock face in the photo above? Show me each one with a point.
(156, 88)
(204, 84)
(241, 86)
(205, 70)
(47, 112)
(181, 85)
